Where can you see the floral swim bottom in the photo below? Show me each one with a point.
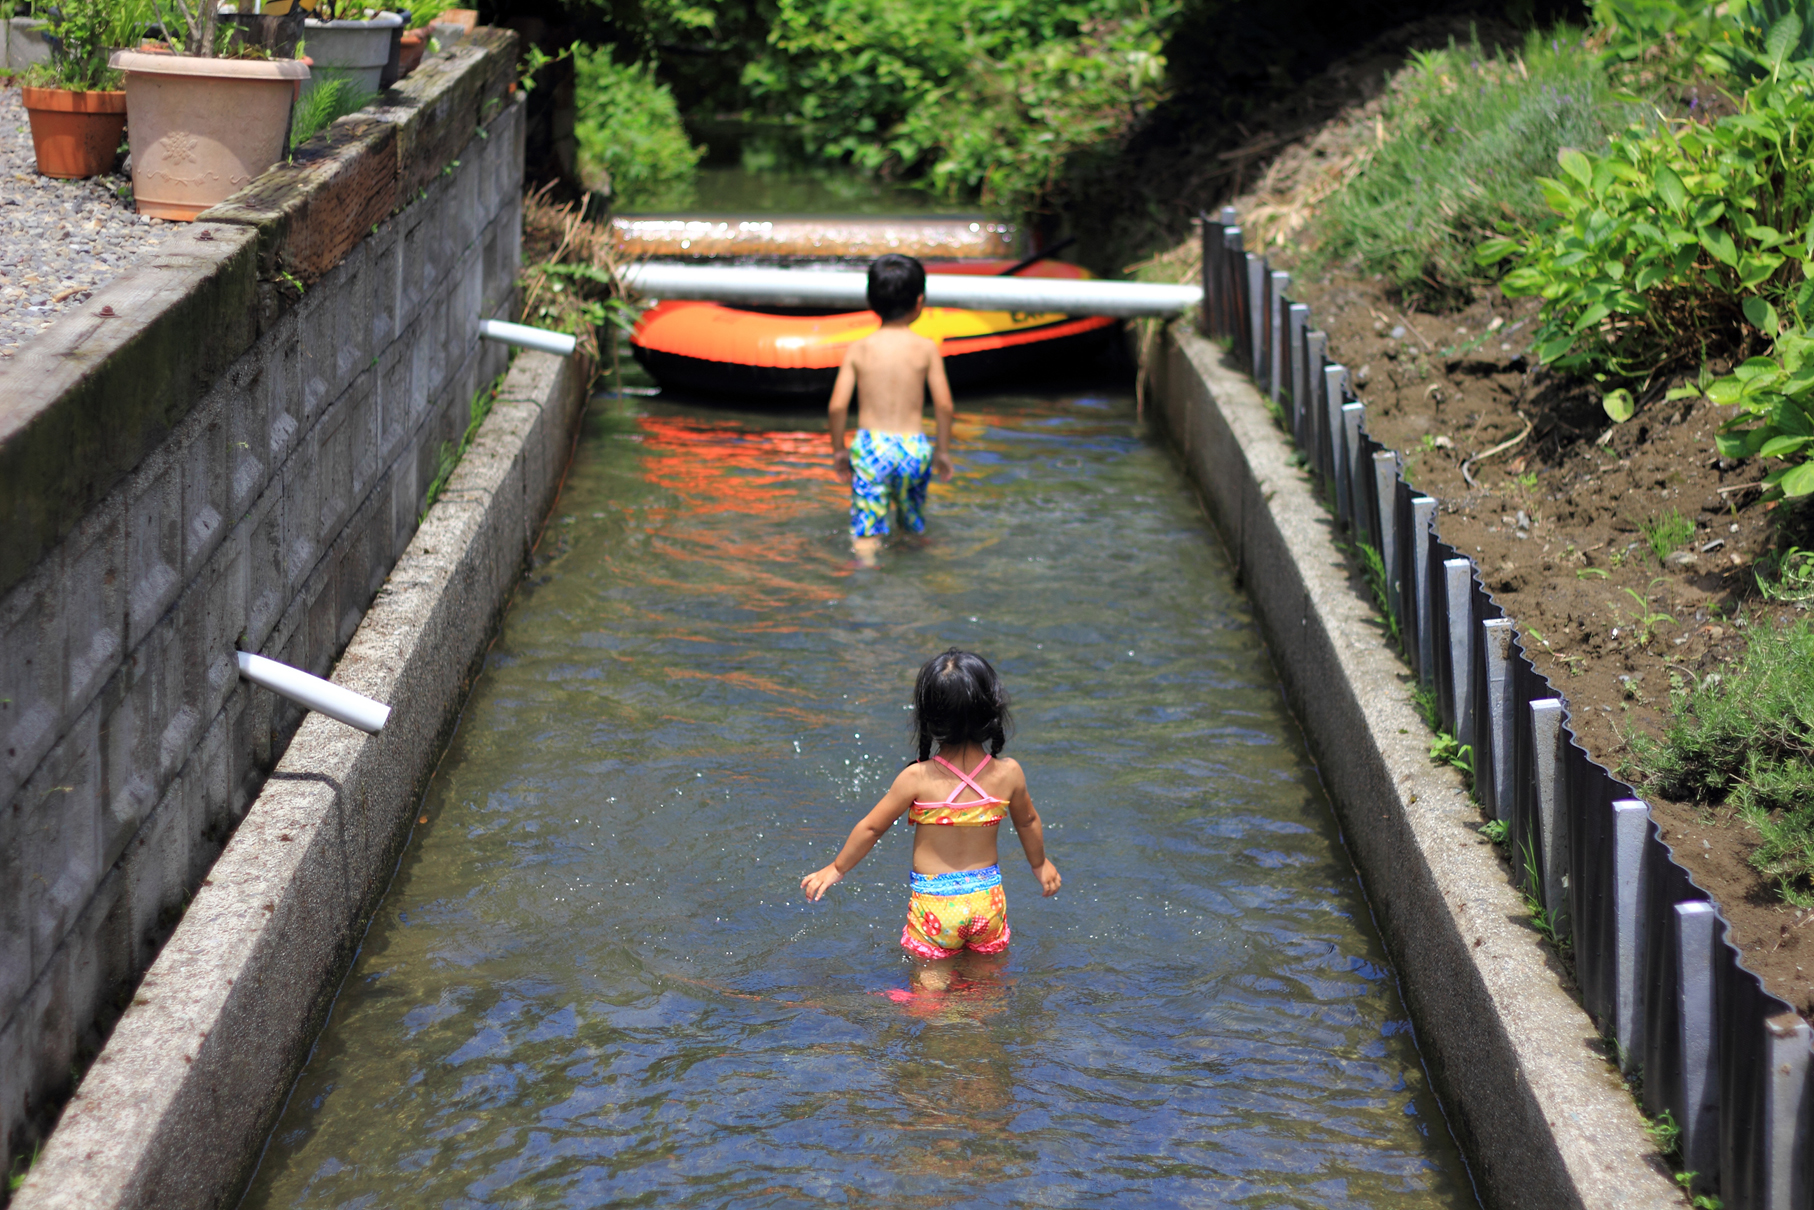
(950, 913)
(888, 471)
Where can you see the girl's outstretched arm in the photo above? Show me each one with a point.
(863, 837)
(1033, 838)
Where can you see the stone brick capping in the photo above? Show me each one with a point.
(225, 447)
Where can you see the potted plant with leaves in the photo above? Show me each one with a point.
(209, 114)
(74, 101)
(419, 15)
(349, 42)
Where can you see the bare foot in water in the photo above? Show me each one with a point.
(867, 550)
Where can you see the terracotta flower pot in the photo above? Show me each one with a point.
(415, 42)
(75, 134)
(203, 129)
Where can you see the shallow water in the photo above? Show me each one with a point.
(594, 981)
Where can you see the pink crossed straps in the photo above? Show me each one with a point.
(966, 779)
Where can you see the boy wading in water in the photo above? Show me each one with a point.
(890, 462)
(956, 796)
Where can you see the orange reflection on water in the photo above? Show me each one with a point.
(727, 468)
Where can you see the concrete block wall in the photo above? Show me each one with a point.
(265, 517)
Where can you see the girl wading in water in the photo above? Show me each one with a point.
(955, 798)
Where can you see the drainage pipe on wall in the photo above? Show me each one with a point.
(311, 692)
(523, 336)
(849, 290)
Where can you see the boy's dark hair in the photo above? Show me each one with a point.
(895, 284)
(958, 699)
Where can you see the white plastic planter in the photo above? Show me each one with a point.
(354, 51)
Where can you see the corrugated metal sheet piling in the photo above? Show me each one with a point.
(1724, 1058)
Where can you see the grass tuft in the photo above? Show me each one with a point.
(1472, 130)
(1747, 738)
(1667, 533)
(332, 98)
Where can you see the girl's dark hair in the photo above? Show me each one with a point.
(958, 699)
(895, 284)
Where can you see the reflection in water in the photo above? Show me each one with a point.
(594, 982)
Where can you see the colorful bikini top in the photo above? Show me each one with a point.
(983, 812)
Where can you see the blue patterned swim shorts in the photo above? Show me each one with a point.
(888, 471)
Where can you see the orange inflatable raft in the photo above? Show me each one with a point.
(792, 352)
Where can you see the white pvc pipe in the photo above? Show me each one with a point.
(842, 288)
(525, 337)
(325, 697)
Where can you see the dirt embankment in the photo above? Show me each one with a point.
(1559, 507)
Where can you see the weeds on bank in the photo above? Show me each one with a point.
(1787, 576)
(450, 455)
(1644, 618)
(22, 1166)
(332, 98)
(1746, 737)
(1472, 131)
(1666, 1136)
(1445, 749)
(1374, 568)
(1667, 533)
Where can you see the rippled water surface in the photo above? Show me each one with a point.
(594, 982)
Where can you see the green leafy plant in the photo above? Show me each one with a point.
(1532, 891)
(1496, 830)
(1445, 749)
(1746, 738)
(21, 1168)
(424, 12)
(1698, 1201)
(82, 34)
(1374, 568)
(1654, 248)
(450, 453)
(1667, 533)
(332, 98)
(1644, 619)
(1775, 397)
(1472, 130)
(1788, 576)
(632, 144)
(1665, 1134)
(978, 100)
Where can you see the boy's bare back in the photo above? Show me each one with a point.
(891, 370)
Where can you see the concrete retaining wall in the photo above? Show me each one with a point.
(1542, 1117)
(175, 1110)
(225, 448)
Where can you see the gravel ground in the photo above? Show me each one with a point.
(59, 240)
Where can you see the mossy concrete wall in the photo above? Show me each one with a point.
(226, 448)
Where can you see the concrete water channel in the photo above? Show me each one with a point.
(594, 982)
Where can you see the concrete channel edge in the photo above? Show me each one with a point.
(175, 1110)
(1538, 1110)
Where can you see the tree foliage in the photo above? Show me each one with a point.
(977, 100)
(632, 144)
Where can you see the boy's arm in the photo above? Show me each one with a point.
(1033, 838)
(863, 837)
(841, 391)
(942, 411)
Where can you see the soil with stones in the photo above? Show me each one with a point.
(1557, 520)
(60, 241)
(1553, 502)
